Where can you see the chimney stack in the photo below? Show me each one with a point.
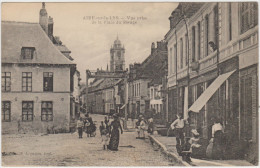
(43, 18)
(152, 48)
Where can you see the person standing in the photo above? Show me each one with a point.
(80, 125)
(107, 124)
(217, 137)
(133, 118)
(150, 126)
(178, 126)
(105, 138)
(137, 125)
(114, 139)
(142, 128)
(101, 127)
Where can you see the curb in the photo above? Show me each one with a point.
(169, 154)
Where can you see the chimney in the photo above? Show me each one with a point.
(159, 45)
(152, 48)
(171, 21)
(174, 18)
(50, 28)
(43, 18)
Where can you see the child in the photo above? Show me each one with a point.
(105, 138)
(80, 125)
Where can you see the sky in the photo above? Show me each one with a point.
(89, 29)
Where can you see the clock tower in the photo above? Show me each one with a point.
(117, 56)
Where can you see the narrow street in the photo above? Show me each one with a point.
(68, 150)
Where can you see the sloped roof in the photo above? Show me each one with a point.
(97, 82)
(63, 48)
(16, 35)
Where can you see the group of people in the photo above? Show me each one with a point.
(141, 127)
(192, 146)
(86, 124)
(109, 131)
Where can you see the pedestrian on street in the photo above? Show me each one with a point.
(137, 125)
(105, 138)
(102, 127)
(217, 137)
(107, 124)
(178, 126)
(80, 125)
(142, 128)
(133, 118)
(150, 126)
(114, 139)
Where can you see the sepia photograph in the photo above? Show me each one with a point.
(129, 84)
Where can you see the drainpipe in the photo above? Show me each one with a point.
(176, 65)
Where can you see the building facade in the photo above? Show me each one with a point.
(213, 69)
(36, 79)
(149, 73)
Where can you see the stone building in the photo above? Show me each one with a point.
(213, 70)
(36, 79)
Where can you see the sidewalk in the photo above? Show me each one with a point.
(168, 145)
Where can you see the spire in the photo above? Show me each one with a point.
(43, 5)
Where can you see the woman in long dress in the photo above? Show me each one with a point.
(114, 139)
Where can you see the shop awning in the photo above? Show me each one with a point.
(123, 106)
(207, 94)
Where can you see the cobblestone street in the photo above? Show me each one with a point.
(68, 150)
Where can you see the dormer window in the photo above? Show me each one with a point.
(27, 52)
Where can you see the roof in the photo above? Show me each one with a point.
(63, 48)
(96, 83)
(16, 35)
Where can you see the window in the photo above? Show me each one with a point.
(171, 60)
(27, 52)
(216, 24)
(187, 48)
(6, 111)
(206, 35)
(175, 58)
(27, 82)
(47, 81)
(249, 15)
(199, 40)
(181, 53)
(47, 111)
(229, 21)
(6, 81)
(27, 110)
(193, 44)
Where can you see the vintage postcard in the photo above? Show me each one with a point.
(129, 84)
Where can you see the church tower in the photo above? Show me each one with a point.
(117, 57)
